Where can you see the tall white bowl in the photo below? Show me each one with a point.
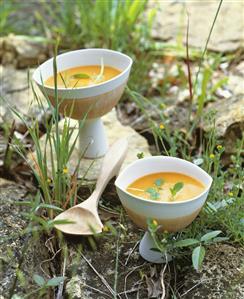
(172, 216)
(90, 101)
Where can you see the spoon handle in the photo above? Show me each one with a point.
(111, 164)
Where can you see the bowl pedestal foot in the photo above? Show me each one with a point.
(150, 255)
(92, 139)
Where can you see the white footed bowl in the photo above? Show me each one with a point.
(172, 216)
(96, 100)
(90, 102)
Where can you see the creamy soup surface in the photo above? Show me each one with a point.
(83, 76)
(162, 187)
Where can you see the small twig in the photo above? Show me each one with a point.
(48, 260)
(97, 290)
(99, 275)
(61, 285)
(128, 274)
(133, 290)
(196, 285)
(162, 278)
(133, 249)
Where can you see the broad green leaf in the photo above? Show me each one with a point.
(198, 256)
(80, 76)
(39, 280)
(177, 187)
(210, 235)
(159, 182)
(185, 243)
(55, 281)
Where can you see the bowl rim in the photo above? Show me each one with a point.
(84, 87)
(206, 189)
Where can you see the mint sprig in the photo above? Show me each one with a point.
(154, 190)
(176, 188)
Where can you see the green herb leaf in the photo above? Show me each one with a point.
(153, 193)
(39, 280)
(185, 243)
(210, 235)
(177, 187)
(197, 257)
(150, 190)
(140, 155)
(159, 182)
(80, 76)
(55, 281)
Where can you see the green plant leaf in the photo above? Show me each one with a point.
(39, 280)
(80, 76)
(150, 190)
(186, 242)
(210, 235)
(159, 182)
(177, 187)
(197, 257)
(55, 281)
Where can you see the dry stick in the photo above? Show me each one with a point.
(162, 278)
(196, 285)
(99, 275)
(97, 290)
(133, 249)
(127, 275)
(48, 260)
(61, 285)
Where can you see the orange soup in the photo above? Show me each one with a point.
(166, 187)
(83, 76)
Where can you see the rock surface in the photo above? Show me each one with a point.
(227, 36)
(12, 243)
(222, 275)
(23, 51)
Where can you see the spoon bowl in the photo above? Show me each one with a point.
(83, 222)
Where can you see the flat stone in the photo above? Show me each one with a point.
(16, 92)
(222, 275)
(171, 23)
(114, 130)
(25, 51)
(12, 242)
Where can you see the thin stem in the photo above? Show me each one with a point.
(206, 45)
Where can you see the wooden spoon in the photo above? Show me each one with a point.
(85, 216)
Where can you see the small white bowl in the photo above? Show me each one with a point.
(172, 216)
(96, 99)
(89, 102)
